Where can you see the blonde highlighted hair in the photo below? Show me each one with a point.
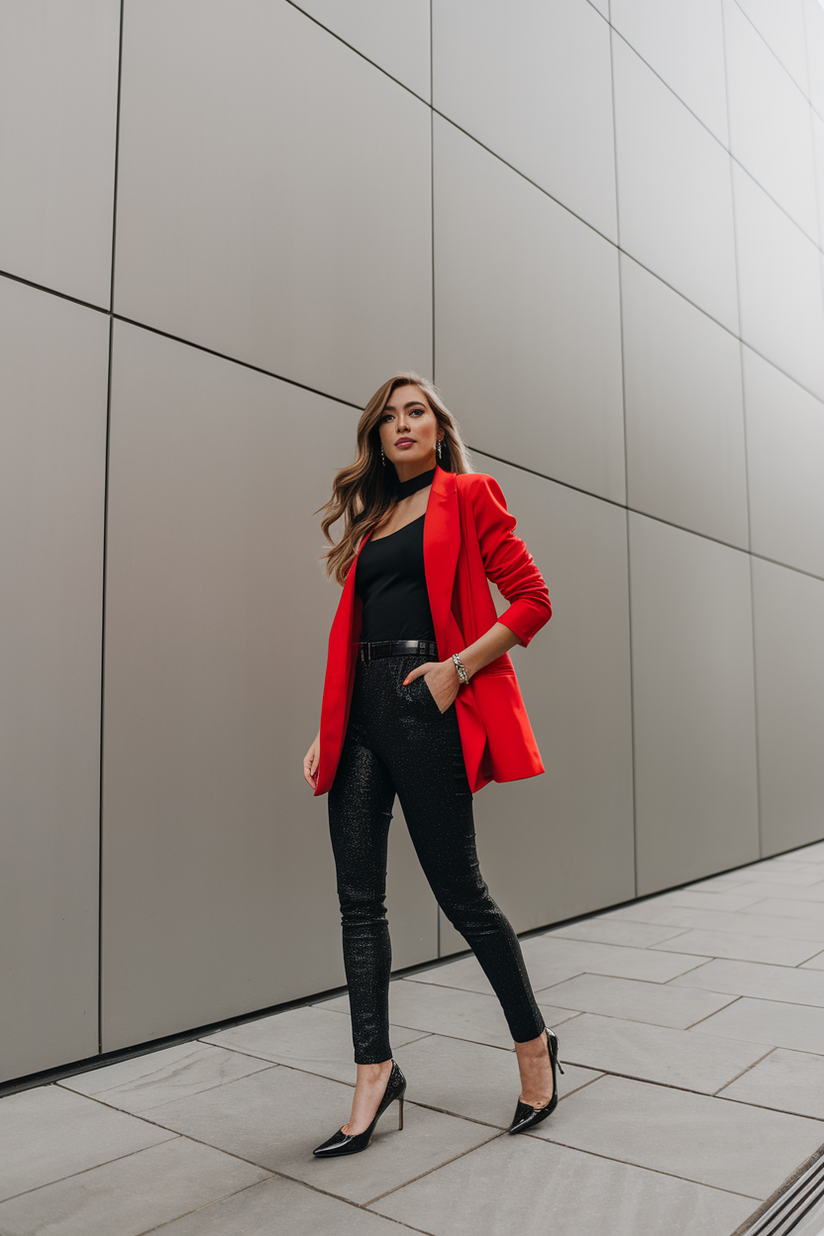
(364, 492)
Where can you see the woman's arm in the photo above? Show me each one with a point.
(442, 676)
(509, 564)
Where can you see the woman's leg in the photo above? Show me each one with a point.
(360, 809)
(430, 776)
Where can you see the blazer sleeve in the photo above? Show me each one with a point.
(508, 562)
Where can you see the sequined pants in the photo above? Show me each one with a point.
(399, 743)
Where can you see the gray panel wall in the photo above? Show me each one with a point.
(789, 618)
(693, 703)
(53, 365)
(215, 854)
(600, 227)
(58, 100)
(527, 315)
(295, 201)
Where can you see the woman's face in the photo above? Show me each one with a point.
(409, 430)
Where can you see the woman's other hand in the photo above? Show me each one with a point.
(310, 763)
(441, 679)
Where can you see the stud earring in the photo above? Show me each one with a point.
(383, 457)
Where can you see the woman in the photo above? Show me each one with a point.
(421, 701)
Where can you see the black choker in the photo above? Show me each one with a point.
(405, 488)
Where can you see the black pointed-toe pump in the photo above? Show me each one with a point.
(349, 1143)
(527, 1117)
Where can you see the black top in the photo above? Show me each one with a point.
(390, 581)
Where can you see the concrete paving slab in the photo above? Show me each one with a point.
(797, 1026)
(520, 1184)
(749, 978)
(278, 1205)
(473, 1080)
(606, 931)
(466, 974)
(48, 1133)
(130, 1195)
(454, 1012)
(742, 947)
(789, 1081)
(277, 1117)
(769, 873)
(314, 1038)
(160, 1076)
(732, 1146)
(698, 899)
(658, 1053)
(700, 988)
(784, 907)
(763, 888)
(747, 922)
(658, 1004)
(728, 882)
(812, 853)
(543, 953)
(428, 1140)
(781, 862)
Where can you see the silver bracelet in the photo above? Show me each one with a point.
(460, 669)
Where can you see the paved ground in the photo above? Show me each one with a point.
(691, 1026)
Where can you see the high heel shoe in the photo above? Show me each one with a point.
(527, 1117)
(349, 1143)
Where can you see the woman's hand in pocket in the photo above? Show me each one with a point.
(441, 679)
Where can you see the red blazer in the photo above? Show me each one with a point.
(468, 536)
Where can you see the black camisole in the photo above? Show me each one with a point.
(391, 583)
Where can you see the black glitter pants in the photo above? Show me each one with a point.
(399, 742)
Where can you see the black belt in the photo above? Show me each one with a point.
(398, 648)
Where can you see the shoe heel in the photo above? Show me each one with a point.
(400, 1113)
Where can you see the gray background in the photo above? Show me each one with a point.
(224, 223)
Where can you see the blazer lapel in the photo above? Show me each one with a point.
(441, 546)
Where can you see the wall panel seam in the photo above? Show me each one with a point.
(673, 91)
(773, 52)
(737, 284)
(755, 712)
(41, 287)
(105, 544)
(116, 155)
(626, 466)
(815, 243)
(517, 171)
(807, 61)
(103, 694)
(315, 21)
(234, 360)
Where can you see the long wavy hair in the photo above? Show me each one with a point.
(364, 492)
